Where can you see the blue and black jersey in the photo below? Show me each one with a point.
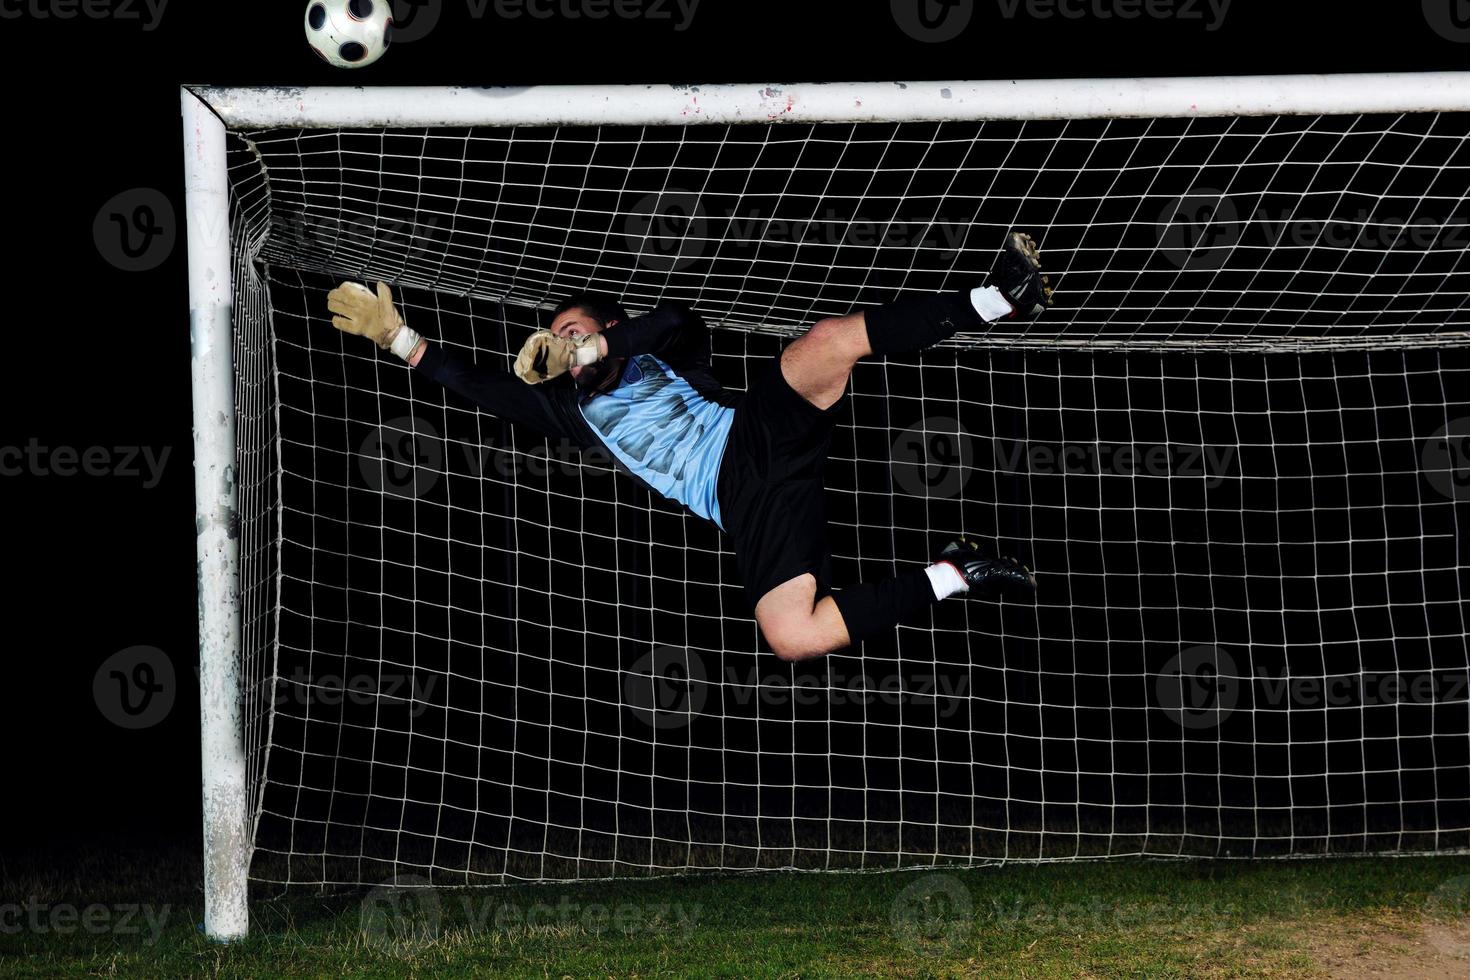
(666, 422)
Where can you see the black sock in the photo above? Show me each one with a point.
(912, 323)
(869, 608)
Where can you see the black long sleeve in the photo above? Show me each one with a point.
(549, 408)
(671, 331)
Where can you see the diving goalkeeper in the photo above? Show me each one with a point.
(751, 462)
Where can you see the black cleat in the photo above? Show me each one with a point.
(1018, 275)
(988, 577)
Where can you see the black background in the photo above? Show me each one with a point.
(100, 356)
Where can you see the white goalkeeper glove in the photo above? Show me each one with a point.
(545, 355)
(362, 312)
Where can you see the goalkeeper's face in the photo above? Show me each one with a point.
(577, 322)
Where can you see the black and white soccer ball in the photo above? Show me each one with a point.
(349, 33)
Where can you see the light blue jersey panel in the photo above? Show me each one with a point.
(665, 432)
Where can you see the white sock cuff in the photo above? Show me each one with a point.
(990, 303)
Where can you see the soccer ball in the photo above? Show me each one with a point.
(349, 33)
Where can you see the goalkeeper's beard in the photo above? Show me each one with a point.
(601, 377)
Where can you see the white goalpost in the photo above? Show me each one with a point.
(437, 650)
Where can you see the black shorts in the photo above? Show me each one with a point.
(771, 488)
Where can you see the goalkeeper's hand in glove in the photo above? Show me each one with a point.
(358, 310)
(545, 355)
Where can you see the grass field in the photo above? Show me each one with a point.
(112, 915)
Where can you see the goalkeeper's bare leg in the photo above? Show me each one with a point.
(799, 619)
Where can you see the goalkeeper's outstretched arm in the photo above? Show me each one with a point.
(363, 312)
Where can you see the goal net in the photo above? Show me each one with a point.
(1235, 453)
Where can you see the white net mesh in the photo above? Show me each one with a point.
(1234, 454)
